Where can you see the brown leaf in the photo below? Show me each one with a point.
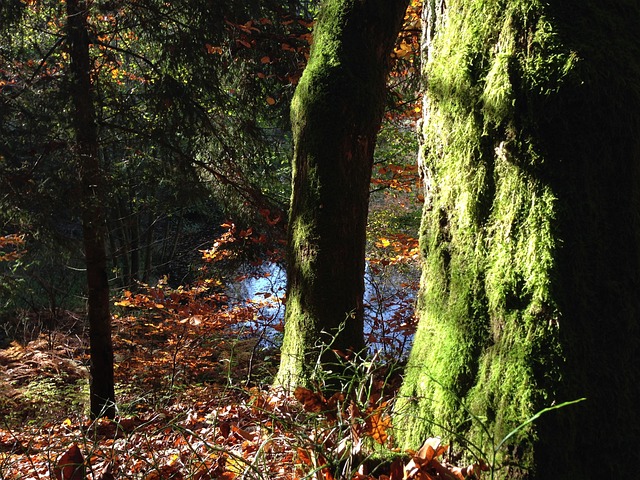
(242, 433)
(166, 472)
(303, 456)
(396, 471)
(443, 472)
(430, 449)
(331, 406)
(106, 473)
(335, 399)
(70, 465)
(128, 425)
(377, 423)
(225, 429)
(312, 402)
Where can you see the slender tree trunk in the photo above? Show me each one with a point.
(148, 247)
(112, 253)
(134, 244)
(530, 238)
(336, 113)
(93, 218)
(125, 245)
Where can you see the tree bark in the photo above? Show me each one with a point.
(336, 114)
(93, 217)
(530, 238)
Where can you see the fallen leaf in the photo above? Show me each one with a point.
(166, 472)
(311, 401)
(70, 465)
(106, 473)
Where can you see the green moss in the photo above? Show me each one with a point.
(529, 235)
(295, 366)
(336, 113)
(488, 239)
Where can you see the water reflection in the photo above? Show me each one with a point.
(390, 294)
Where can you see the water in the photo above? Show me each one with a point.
(390, 293)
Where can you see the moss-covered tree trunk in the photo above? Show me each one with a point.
(530, 237)
(336, 114)
(93, 219)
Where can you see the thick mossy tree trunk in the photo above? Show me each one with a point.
(530, 237)
(93, 218)
(336, 114)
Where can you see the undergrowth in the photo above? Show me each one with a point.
(339, 429)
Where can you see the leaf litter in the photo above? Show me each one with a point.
(205, 430)
(184, 360)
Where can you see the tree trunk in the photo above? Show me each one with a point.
(530, 238)
(93, 218)
(148, 246)
(134, 245)
(336, 114)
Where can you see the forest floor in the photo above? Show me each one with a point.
(191, 406)
(193, 378)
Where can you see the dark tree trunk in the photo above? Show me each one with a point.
(93, 218)
(148, 247)
(336, 114)
(530, 238)
(134, 245)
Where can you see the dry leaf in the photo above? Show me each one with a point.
(70, 465)
(242, 433)
(377, 423)
(312, 402)
(106, 473)
(396, 471)
(166, 472)
(431, 449)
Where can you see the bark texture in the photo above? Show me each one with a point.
(336, 114)
(93, 218)
(530, 237)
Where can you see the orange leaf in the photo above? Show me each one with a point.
(312, 402)
(70, 465)
(242, 433)
(271, 100)
(303, 456)
(377, 424)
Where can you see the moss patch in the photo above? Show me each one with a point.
(509, 291)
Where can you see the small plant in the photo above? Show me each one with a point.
(497, 445)
(485, 454)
